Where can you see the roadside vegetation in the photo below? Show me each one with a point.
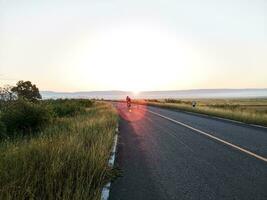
(253, 111)
(54, 149)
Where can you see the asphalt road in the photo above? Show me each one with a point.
(162, 160)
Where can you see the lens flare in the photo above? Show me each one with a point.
(136, 113)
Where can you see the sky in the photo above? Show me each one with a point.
(137, 45)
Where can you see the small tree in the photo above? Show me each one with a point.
(26, 90)
(6, 93)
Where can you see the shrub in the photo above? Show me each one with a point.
(2, 129)
(23, 116)
(83, 102)
(173, 101)
(69, 107)
(66, 109)
(152, 100)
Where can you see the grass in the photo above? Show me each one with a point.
(66, 160)
(252, 111)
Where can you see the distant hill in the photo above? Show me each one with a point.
(197, 93)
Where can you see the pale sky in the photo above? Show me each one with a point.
(137, 45)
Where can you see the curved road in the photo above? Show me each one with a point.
(162, 159)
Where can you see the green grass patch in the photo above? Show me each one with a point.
(66, 160)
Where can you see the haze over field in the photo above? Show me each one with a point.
(181, 94)
(133, 45)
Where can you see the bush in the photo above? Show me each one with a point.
(23, 116)
(68, 107)
(173, 101)
(152, 100)
(2, 129)
(83, 102)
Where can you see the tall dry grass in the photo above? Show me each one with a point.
(67, 160)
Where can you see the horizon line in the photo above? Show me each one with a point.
(154, 90)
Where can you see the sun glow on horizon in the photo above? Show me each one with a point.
(68, 46)
(136, 92)
(136, 58)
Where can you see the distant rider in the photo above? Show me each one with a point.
(128, 101)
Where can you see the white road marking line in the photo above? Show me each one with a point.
(211, 136)
(215, 117)
(106, 188)
(225, 119)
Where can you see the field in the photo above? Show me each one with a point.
(252, 111)
(65, 159)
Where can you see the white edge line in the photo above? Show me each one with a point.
(213, 137)
(215, 117)
(226, 119)
(106, 188)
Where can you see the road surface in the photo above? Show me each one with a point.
(167, 154)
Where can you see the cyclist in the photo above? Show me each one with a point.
(128, 101)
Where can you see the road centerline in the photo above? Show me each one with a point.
(211, 136)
